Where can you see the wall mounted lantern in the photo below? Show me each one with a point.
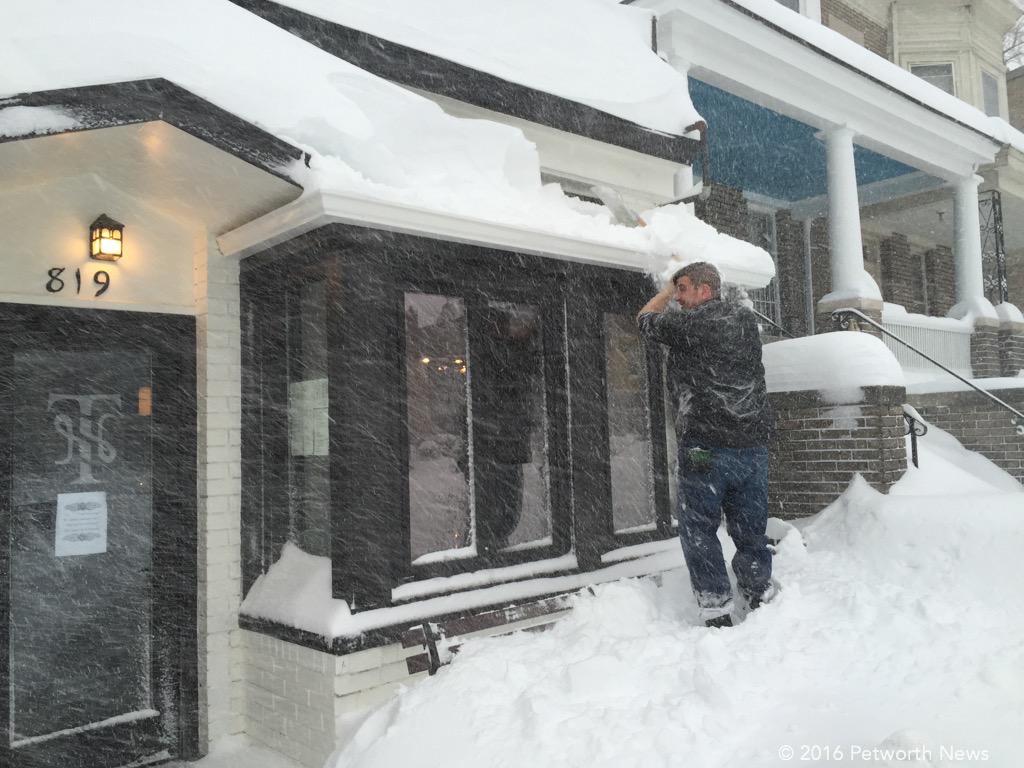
(106, 239)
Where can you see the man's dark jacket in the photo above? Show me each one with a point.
(715, 374)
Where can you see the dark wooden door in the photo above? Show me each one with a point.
(97, 515)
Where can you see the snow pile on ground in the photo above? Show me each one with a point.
(837, 364)
(898, 638)
(366, 136)
(561, 48)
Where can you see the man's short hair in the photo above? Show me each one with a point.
(702, 273)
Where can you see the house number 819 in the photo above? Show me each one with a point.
(56, 283)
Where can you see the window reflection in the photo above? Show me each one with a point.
(437, 376)
(629, 435)
(512, 499)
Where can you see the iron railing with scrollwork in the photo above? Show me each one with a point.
(993, 246)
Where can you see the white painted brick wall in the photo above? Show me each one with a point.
(218, 363)
(305, 703)
(289, 703)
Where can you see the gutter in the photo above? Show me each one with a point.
(326, 207)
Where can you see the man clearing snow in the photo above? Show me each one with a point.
(723, 425)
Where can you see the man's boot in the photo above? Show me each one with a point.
(755, 602)
(724, 620)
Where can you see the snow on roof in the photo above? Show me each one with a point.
(836, 364)
(835, 44)
(591, 51)
(366, 136)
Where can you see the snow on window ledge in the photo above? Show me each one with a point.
(296, 592)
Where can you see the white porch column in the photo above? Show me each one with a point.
(845, 245)
(970, 281)
(970, 284)
(851, 285)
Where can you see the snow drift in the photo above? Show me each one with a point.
(898, 628)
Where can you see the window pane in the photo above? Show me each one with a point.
(629, 434)
(793, 5)
(436, 374)
(939, 75)
(990, 92)
(308, 470)
(510, 451)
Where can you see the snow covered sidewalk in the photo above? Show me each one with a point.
(898, 640)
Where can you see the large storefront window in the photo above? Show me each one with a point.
(477, 421)
(410, 418)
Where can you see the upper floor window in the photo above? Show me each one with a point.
(990, 94)
(809, 8)
(939, 75)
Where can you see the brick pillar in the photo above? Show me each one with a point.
(792, 272)
(821, 260)
(726, 210)
(819, 446)
(938, 265)
(985, 361)
(1011, 347)
(873, 263)
(902, 282)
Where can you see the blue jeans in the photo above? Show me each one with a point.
(733, 481)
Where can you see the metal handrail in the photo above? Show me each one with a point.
(842, 317)
(772, 322)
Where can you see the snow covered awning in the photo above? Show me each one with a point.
(365, 139)
(673, 236)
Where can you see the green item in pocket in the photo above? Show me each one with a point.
(699, 459)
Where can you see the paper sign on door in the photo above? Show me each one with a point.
(81, 524)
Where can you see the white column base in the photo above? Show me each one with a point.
(977, 307)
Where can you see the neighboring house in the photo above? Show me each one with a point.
(356, 359)
(958, 48)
